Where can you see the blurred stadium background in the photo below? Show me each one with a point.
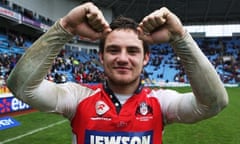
(214, 24)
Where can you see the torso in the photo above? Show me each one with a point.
(139, 120)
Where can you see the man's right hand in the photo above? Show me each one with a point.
(87, 21)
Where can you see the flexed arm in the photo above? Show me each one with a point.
(209, 95)
(26, 81)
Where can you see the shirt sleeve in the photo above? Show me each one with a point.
(59, 98)
(27, 83)
(208, 96)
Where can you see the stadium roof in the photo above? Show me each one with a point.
(190, 11)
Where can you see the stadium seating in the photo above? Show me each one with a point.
(163, 67)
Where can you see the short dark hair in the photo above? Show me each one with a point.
(122, 22)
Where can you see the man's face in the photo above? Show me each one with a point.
(123, 57)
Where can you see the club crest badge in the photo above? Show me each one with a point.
(101, 107)
(144, 109)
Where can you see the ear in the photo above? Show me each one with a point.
(146, 59)
(101, 57)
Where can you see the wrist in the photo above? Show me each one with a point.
(66, 26)
(178, 36)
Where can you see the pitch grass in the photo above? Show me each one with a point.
(221, 129)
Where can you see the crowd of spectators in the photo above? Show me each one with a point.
(225, 58)
(224, 54)
(82, 72)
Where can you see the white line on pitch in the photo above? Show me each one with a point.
(32, 132)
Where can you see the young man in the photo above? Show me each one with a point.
(121, 110)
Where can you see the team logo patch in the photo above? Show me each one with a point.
(144, 109)
(101, 107)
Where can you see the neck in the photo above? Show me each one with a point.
(125, 89)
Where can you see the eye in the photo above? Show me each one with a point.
(113, 50)
(133, 50)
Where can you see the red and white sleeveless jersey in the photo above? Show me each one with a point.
(138, 122)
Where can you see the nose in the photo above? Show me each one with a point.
(122, 57)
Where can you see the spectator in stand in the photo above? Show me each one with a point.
(78, 77)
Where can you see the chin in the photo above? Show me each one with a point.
(123, 81)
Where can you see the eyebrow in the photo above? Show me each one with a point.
(112, 46)
(117, 46)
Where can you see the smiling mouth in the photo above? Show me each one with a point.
(122, 69)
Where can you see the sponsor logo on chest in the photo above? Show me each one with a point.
(97, 137)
